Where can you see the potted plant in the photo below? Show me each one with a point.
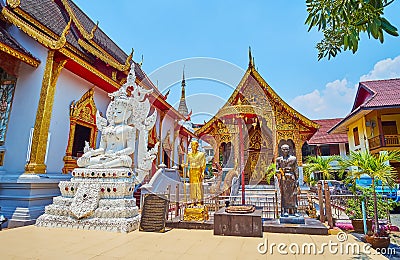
(354, 209)
(377, 167)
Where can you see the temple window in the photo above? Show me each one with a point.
(82, 129)
(7, 88)
(82, 134)
(389, 127)
(356, 136)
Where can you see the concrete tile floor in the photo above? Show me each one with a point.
(61, 243)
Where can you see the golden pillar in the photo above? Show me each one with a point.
(160, 148)
(216, 152)
(43, 115)
(174, 160)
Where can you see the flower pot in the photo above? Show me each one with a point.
(378, 242)
(358, 225)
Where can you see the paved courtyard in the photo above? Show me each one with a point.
(60, 243)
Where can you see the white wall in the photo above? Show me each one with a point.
(24, 107)
(69, 87)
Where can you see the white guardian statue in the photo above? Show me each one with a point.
(126, 114)
(100, 192)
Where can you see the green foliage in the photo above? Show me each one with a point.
(353, 209)
(270, 171)
(375, 166)
(342, 21)
(320, 164)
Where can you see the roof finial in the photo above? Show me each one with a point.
(251, 59)
(183, 76)
(182, 104)
(141, 62)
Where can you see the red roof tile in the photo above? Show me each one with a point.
(374, 94)
(322, 136)
(385, 93)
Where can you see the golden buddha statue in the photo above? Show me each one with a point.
(196, 161)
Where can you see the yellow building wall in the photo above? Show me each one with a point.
(367, 132)
(362, 134)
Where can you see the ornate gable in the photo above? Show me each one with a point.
(254, 98)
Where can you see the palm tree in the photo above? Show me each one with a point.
(320, 164)
(375, 166)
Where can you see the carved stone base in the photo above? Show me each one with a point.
(107, 224)
(96, 203)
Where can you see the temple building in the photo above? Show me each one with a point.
(57, 67)
(248, 130)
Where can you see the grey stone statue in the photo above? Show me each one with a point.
(287, 171)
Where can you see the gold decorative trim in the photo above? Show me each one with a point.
(85, 34)
(82, 112)
(47, 41)
(96, 50)
(291, 111)
(21, 56)
(13, 3)
(104, 58)
(63, 38)
(46, 30)
(89, 67)
(35, 34)
(114, 75)
(274, 99)
(91, 35)
(43, 115)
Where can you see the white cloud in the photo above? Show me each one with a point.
(333, 101)
(336, 99)
(384, 69)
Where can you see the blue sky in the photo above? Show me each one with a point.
(165, 32)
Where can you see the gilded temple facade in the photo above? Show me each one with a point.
(248, 130)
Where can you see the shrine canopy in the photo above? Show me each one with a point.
(247, 131)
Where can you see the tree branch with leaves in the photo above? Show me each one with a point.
(342, 22)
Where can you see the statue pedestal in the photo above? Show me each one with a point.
(238, 224)
(196, 213)
(292, 219)
(98, 199)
